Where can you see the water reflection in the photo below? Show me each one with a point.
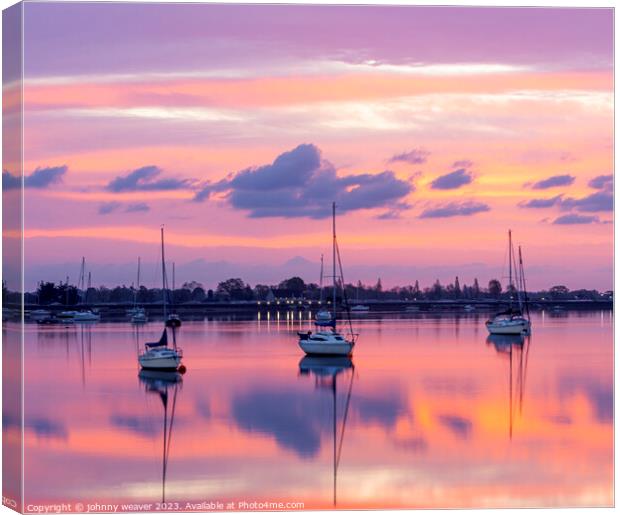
(162, 383)
(519, 346)
(437, 418)
(325, 371)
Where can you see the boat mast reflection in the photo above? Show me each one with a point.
(507, 345)
(326, 371)
(159, 382)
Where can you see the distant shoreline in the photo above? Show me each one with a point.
(190, 310)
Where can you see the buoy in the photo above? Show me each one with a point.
(182, 369)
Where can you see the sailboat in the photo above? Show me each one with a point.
(157, 355)
(512, 320)
(323, 316)
(329, 368)
(85, 315)
(173, 319)
(158, 383)
(138, 314)
(329, 342)
(359, 308)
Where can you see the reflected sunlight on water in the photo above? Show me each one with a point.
(430, 411)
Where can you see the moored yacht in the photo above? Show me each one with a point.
(329, 342)
(512, 320)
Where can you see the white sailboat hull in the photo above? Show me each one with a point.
(325, 344)
(326, 349)
(86, 316)
(170, 362)
(517, 326)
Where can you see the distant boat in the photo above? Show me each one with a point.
(512, 320)
(360, 308)
(158, 355)
(323, 317)
(173, 319)
(85, 315)
(469, 308)
(138, 314)
(329, 342)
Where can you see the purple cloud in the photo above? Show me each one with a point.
(455, 209)
(299, 183)
(599, 201)
(146, 179)
(452, 180)
(574, 219)
(41, 178)
(416, 156)
(602, 182)
(463, 163)
(112, 207)
(538, 203)
(554, 182)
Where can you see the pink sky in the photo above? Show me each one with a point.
(493, 101)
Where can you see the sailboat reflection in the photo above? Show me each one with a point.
(507, 345)
(326, 371)
(159, 382)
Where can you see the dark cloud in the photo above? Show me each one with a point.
(602, 182)
(40, 178)
(146, 179)
(109, 207)
(417, 156)
(460, 426)
(455, 209)
(301, 184)
(554, 182)
(597, 202)
(10, 181)
(112, 207)
(452, 180)
(463, 163)
(139, 207)
(538, 203)
(574, 218)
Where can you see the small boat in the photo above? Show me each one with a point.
(158, 355)
(137, 314)
(329, 342)
(173, 320)
(469, 308)
(325, 343)
(512, 320)
(360, 308)
(86, 316)
(323, 317)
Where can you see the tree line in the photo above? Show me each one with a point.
(235, 289)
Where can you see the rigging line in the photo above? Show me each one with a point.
(346, 413)
(526, 300)
(344, 293)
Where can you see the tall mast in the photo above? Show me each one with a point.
(321, 280)
(510, 266)
(163, 273)
(334, 259)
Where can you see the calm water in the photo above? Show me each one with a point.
(429, 412)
